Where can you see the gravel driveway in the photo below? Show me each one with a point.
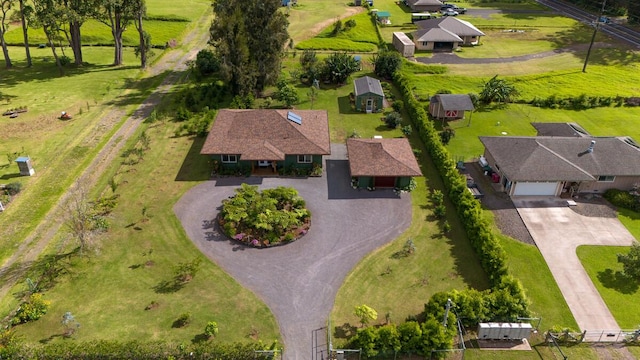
(299, 281)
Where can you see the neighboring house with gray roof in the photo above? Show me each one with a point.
(381, 162)
(554, 166)
(435, 34)
(368, 94)
(560, 129)
(450, 106)
(265, 142)
(424, 5)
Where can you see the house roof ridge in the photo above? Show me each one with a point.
(564, 159)
(399, 161)
(297, 128)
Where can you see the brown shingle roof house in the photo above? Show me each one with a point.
(552, 165)
(268, 138)
(382, 162)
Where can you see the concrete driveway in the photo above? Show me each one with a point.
(558, 231)
(299, 281)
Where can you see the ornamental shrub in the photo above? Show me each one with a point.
(271, 216)
(622, 199)
(33, 309)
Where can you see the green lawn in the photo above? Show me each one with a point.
(527, 264)
(619, 293)
(310, 17)
(108, 292)
(58, 148)
(360, 38)
(403, 285)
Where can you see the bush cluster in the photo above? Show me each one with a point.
(478, 229)
(580, 102)
(407, 338)
(101, 349)
(264, 218)
(622, 199)
(32, 309)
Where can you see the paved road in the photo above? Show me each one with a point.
(299, 281)
(618, 31)
(558, 231)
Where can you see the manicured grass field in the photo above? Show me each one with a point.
(403, 285)
(618, 292)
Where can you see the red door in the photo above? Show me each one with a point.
(385, 181)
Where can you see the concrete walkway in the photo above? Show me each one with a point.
(299, 281)
(558, 231)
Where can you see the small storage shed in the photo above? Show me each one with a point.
(24, 164)
(384, 17)
(368, 93)
(450, 106)
(403, 44)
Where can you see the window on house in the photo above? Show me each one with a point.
(229, 158)
(305, 159)
(606, 178)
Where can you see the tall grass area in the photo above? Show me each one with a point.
(58, 149)
(363, 37)
(108, 292)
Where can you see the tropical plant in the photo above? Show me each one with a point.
(338, 67)
(254, 217)
(32, 309)
(497, 90)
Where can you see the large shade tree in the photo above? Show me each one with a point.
(249, 37)
(117, 14)
(5, 7)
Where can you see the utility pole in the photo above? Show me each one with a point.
(593, 38)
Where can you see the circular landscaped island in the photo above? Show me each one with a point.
(264, 218)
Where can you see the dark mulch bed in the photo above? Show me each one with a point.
(594, 205)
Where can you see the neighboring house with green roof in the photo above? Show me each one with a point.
(265, 142)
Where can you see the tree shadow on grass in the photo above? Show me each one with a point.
(344, 331)
(50, 338)
(618, 281)
(199, 338)
(168, 287)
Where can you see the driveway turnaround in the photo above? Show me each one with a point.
(558, 231)
(299, 281)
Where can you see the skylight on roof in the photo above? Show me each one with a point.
(294, 117)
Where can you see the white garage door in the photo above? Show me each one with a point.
(536, 188)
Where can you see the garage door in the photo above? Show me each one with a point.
(536, 188)
(385, 181)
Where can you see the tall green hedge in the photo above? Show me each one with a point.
(134, 350)
(478, 229)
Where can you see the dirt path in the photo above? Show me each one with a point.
(175, 61)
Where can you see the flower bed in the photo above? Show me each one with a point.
(263, 219)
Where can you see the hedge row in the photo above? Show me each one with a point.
(134, 350)
(478, 229)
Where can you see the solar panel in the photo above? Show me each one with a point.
(295, 118)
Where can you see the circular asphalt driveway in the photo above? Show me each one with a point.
(299, 281)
